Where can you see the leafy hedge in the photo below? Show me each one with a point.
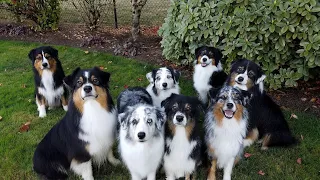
(282, 36)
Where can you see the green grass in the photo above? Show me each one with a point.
(16, 149)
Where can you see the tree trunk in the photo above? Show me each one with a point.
(137, 6)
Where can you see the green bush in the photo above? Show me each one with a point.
(282, 36)
(45, 13)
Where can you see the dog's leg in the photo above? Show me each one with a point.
(135, 176)
(265, 142)
(228, 169)
(251, 138)
(152, 176)
(83, 169)
(64, 102)
(112, 159)
(212, 170)
(170, 177)
(40, 101)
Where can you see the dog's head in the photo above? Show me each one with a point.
(163, 78)
(181, 110)
(230, 103)
(209, 56)
(44, 57)
(142, 122)
(246, 74)
(87, 85)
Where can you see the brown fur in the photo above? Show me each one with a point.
(64, 101)
(38, 63)
(172, 127)
(78, 101)
(212, 170)
(218, 114)
(233, 79)
(37, 66)
(102, 97)
(189, 128)
(253, 134)
(199, 59)
(238, 113)
(265, 142)
(214, 62)
(42, 101)
(249, 84)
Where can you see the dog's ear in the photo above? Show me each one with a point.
(166, 102)
(149, 77)
(161, 118)
(105, 76)
(68, 80)
(213, 92)
(217, 54)
(175, 74)
(122, 120)
(32, 55)
(53, 52)
(246, 97)
(196, 51)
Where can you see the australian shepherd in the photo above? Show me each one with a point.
(183, 145)
(163, 82)
(225, 130)
(48, 76)
(141, 133)
(266, 120)
(85, 135)
(208, 71)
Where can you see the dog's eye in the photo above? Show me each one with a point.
(174, 108)
(149, 121)
(79, 83)
(169, 77)
(223, 97)
(47, 57)
(240, 69)
(158, 78)
(95, 81)
(251, 73)
(134, 122)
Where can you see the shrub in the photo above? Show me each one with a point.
(45, 13)
(282, 36)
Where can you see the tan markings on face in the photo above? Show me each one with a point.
(213, 62)
(64, 100)
(189, 128)
(249, 83)
(218, 114)
(38, 63)
(199, 60)
(233, 79)
(52, 62)
(172, 127)
(253, 135)
(78, 101)
(102, 98)
(239, 112)
(212, 170)
(265, 142)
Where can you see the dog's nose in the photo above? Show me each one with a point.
(164, 84)
(204, 59)
(179, 118)
(141, 135)
(230, 105)
(240, 79)
(44, 64)
(87, 89)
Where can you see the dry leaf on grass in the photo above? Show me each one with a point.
(261, 173)
(0, 84)
(24, 86)
(109, 62)
(303, 99)
(299, 160)
(247, 155)
(25, 127)
(86, 52)
(301, 136)
(0, 118)
(126, 86)
(139, 79)
(313, 99)
(101, 67)
(293, 116)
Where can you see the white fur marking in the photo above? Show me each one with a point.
(260, 82)
(83, 169)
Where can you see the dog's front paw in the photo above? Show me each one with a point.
(42, 114)
(65, 107)
(247, 142)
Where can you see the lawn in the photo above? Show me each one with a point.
(17, 106)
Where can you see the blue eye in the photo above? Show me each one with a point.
(149, 121)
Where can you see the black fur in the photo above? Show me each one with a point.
(61, 144)
(264, 113)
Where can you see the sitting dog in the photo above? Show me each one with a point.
(163, 82)
(141, 133)
(208, 71)
(85, 135)
(225, 130)
(48, 76)
(183, 149)
(266, 119)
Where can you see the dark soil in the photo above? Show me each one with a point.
(306, 97)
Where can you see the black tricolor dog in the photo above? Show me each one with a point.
(183, 152)
(208, 71)
(48, 76)
(85, 135)
(266, 119)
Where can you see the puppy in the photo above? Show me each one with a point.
(183, 142)
(141, 133)
(208, 71)
(85, 135)
(266, 118)
(163, 82)
(48, 77)
(225, 130)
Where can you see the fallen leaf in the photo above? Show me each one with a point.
(313, 99)
(293, 116)
(247, 155)
(109, 62)
(301, 136)
(299, 160)
(306, 109)
(0, 84)
(0, 118)
(139, 79)
(126, 86)
(25, 127)
(29, 100)
(101, 67)
(314, 106)
(105, 68)
(116, 86)
(86, 52)
(303, 99)
(24, 86)
(261, 173)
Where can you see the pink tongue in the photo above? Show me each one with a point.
(228, 113)
(203, 64)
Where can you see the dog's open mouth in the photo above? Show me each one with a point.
(228, 114)
(204, 64)
(89, 96)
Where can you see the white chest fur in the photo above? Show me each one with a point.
(178, 163)
(201, 78)
(162, 94)
(98, 127)
(141, 158)
(52, 95)
(227, 140)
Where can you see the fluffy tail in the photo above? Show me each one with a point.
(278, 139)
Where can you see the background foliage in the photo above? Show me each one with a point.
(282, 36)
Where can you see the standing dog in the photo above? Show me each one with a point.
(225, 129)
(183, 142)
(85, 135)
(163, 82)
(48, 76)
(266, 119)
(208, 71)
(141, 135)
